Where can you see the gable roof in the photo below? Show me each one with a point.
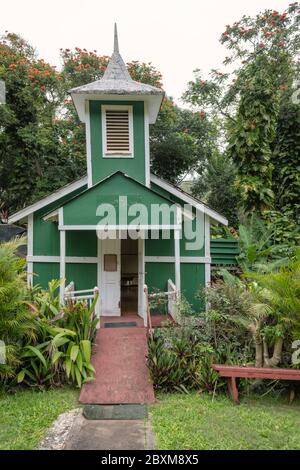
(56, 195)
(180, 194)
(75, 185)
(87, 190)
(81, 212)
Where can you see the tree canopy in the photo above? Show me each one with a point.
(253, 100)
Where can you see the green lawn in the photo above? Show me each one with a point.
(26, 415)
(194, 422)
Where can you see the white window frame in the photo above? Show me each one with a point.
(110, 154)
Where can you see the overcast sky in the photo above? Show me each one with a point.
(177, 36)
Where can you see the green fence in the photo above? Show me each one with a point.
(224, 252)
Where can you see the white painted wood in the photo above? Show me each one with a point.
(183, 259)
(69, 259)
(99, 279)
(147, 146)
(153, 101)
(177, 234)
(118, 227)
(141, 267)
(47, 200)
(188, 199)
(172, 298)
(105, 153)
(207, 250)
(111, 281)
(88, 145)
(62, 256)
(29, 250)
(95, 260)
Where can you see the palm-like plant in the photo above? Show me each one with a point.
(16, 321)
(276, 310)
(259, 253)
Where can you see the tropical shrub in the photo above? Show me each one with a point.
(276, 312)
(62, 351)
(60, 359)
(224, 321)
(179, 359)
(17, 324)
(259, 248)
(46, 343)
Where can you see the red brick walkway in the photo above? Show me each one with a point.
(121, 372)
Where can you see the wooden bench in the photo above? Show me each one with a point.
(233, 372)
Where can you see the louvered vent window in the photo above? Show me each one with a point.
(118, 131)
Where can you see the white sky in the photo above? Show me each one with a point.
(177, 36)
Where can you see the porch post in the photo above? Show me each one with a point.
(207, 251)
(177, 250)
(29, 250)
(62, 257)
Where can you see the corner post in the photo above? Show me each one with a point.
(177, 233)
(30, 250)
(62, 256)
(207, 250)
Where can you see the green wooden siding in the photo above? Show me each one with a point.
(81, 243)
(82, 210)
(192, 280)
(159, 247)
(201, 232)
(224, 252)
(192, 283)
(157, 275)
(45, 272)
(83, 275)
(103, 167)
(45, 233)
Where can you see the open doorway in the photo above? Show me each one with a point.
(129, 277)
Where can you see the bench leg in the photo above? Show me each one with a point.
(233, 390)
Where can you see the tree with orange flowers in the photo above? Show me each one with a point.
(251, 96)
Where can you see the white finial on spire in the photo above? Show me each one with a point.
(116, 42)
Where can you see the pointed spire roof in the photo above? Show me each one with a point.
(116, 79)
(116, 69)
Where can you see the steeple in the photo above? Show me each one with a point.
(116, 42)
(117, 82)
(116, 69)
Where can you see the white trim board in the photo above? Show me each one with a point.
(119, 227)
(47, 200)
(88, 144)
(68, 259)
(183, 259)
(116, 107)
(188, 199)
(147, 145)
(207, 249)
(94, 259)
(30, 249)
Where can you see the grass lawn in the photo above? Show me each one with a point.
(194, 422)
(26, 415)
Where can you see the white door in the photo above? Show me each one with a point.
(110, 292)
(141, 266)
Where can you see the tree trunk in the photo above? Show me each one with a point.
(258, 352)
(277, 353)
